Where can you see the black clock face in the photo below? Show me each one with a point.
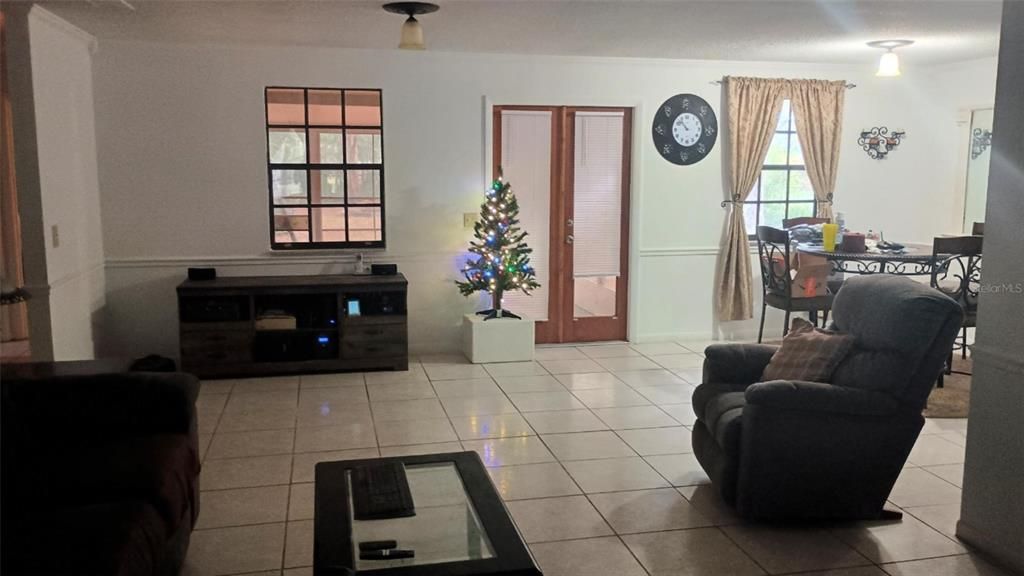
(685, 129)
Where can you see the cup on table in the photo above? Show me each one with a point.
(828, 236)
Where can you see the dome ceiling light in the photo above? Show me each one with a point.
(889, 64)
(412, 32)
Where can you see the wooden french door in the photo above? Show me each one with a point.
(570, 169)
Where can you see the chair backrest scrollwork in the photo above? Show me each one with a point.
(774, 256)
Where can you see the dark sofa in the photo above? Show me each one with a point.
(100, 474)
(785, 450)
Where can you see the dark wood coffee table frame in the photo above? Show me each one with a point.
(332, 530)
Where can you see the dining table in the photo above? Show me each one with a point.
(913, 260)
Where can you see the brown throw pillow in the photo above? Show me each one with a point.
(808, 354)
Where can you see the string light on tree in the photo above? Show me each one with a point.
(502, 260)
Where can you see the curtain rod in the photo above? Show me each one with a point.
(849, 85)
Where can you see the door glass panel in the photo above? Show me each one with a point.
(526, 161)
(597, 212)
(977, 168)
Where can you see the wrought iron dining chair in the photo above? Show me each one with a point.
(978, 229)
(773, 249)
(788, 223)
(956, 272)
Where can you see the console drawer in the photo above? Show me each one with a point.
(207, 347)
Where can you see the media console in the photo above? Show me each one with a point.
(261, 325)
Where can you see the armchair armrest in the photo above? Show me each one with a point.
(819, 397)
(736, 363)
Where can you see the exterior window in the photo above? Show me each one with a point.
(325, 168)
(783, 189)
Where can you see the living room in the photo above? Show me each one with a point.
(144, 145)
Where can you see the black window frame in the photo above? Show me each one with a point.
(309, 167)
(788, 168)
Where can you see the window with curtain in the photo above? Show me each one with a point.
(783, 190)
(325, 168)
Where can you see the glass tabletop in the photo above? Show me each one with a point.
(446, 527)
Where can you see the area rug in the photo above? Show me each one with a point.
(953, 400)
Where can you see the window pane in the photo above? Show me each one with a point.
(363, 146)
(291, 225)
(287, 146)
(364, 186)
(773, 184)
(364, 224)
(784, 116)
(750, 218)
(796, 153)
(328, 224)
(285, 106)
(777, 151)
(325, 107)
(800, 186)
(362, 108)
(289, 186)
(325, 146)
(797, 209)
(772, 214)
(328, 186)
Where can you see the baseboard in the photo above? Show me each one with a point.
(992, 548)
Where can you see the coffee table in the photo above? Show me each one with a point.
(461, 526)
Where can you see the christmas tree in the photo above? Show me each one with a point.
(502, 260)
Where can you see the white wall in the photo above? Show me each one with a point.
(181, 164)
(992, 511)
(68, 183)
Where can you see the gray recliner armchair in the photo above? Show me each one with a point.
(804, 450)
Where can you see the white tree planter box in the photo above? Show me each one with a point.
(497, 340)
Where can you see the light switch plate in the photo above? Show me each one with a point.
(469, 219)
(55, 235)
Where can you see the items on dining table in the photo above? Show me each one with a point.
(805, 233)
(854, 242)
(829, 233)
(889, 247)
(841, 230)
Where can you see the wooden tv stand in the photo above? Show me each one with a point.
(323, 324)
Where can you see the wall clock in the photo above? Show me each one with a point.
(685, 129)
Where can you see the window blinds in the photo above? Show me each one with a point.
(597, 203)
(526, 162)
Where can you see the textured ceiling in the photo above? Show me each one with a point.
(766, 30)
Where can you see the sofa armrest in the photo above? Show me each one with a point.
(819, 397)
(108, 405)
(736, 363)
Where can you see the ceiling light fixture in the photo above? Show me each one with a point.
(889, 64)
(412, 32)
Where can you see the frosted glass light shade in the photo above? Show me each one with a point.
(889, 65)
(412, 35)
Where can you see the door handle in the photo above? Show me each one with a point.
(569, 239)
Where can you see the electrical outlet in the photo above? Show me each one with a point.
(55, 235)
(468, 219)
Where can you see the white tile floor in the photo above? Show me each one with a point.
(589, 446)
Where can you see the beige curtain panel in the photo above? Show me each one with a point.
(818, 109)
(754, 105)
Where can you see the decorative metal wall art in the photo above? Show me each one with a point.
(981, 139)
(878, 141)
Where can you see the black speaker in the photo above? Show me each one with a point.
(384, 269)
(202, 273)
